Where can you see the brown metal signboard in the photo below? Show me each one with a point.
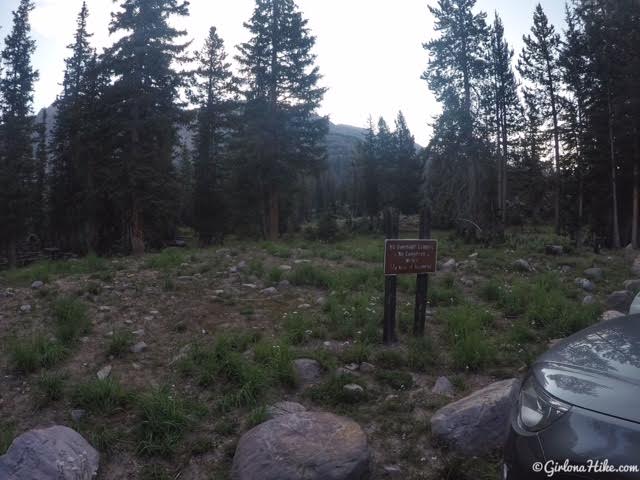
(410, 257)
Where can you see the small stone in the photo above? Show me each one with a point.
(443, 387)
(447, 265)
(26, 308)
(552, 343)
(304, 306)
(270, 291)
(77, 414)
(307, 371)
(352, 367)
(285, 268)
(522, 265)
(473, 255)
(610, 315)
(284, 284)
(393, 471)
(139, 332)
(139, 347)
(554, 249)
(186, 278)
(104, 372)
(321, 301)
(104, 309)
(586, 285)
(588, 300)
(353, 389)
(367, 367)
(594, 273)
(233, 270)
(251, 286)
(242, 265)
(37, 285)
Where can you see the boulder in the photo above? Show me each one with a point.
(309, 445)
(635, 267)
(443, 387)
(307, 371)
(594, 273)
(554, 249)
(447, 265)
(522, 265)
(632, 286)
(620, 301)
(284, 408)
(57, 453)
(610, 315)
(586, 285)
(477, 424)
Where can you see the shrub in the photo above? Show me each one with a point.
(163, 421)
(332, 393)
(119, 343)
(100, 396)
(30, 354)
(309, 275)
(50, 388)
(166, 260)
(71, 319)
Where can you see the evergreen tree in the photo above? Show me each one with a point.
(456, 71)
(408, 177)
(283, 133)
(215, 98)
(16, 162)
(72, 146)
(41, 168)
(539, 66)
(143, 119)
(186, 181)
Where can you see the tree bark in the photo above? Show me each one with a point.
(12, 254)
(614, 187)
(274, 214)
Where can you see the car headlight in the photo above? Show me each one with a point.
(537, 409)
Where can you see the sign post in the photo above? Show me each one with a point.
(391, 229)
(408, 257)
(422, 280)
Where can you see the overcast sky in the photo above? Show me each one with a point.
(369, 51)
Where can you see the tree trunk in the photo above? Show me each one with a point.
(636, 188)
(505, 153)
(12, 253)
(614, 187)
(274, 214)
(136, 233)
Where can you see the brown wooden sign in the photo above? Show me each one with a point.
(410, 257)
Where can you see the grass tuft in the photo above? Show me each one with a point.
(71, 319)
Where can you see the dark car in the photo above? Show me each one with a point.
(578, 412)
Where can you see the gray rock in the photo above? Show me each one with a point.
(104, 372)
(353, 389)
(477, 424)
(632, 286)
(284, 408)
(366, 367)
(473, 255)
(610, 315)
(241, 266)
(139, 347)
(586, 285)
(522, 265)
(307, 371)
(321, 301)
(443, 387)
(589, 300)
(37, 285)
(352, 367)
(554, 249)
(270, 291)
(186, 278)
(594, 273)
(392, 471)
(26, 308)
(285, 268)
(620, 301)
(284, 284)
(309, 445)
(53, 453)
(447, 265)
(635, 267)
(77, 414)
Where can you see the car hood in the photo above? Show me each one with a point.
(597, 368)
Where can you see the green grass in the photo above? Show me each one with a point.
(467, 330)
(277, 249)
(119, 343)
(421, 354)
(277, 358)
(163, 420)
(396, 379)
(331, 391)
(390, 359)
(167, 260)
(30, 354)
(71, 319)
(50, 388)
(7, 434)
(309, 275)
(48, 270)
(100, 396)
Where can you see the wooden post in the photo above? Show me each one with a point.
(422, 280)
(391, 229)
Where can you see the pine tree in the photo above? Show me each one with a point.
(408, 177)
(145, 111)
(539, 66)
(72, 146)
(505, 107)
(456, 70)
(16, 163)
(283, 133)
(215, 99)
(40, 191)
